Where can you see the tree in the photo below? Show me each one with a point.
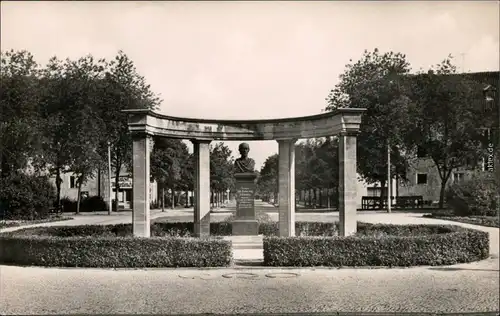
(86, 134)
(123, 88)
(377, 82)
(447, 112)
(19, 114)
(58, 95)
(167, 158)
(327, 153)
(317, 168)
(268, 180)
(221, 170)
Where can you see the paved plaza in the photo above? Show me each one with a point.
(460, 288)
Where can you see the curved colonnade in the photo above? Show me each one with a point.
(342, 122)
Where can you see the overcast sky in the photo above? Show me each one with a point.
(251, 60)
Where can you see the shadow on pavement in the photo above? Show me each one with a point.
(356, 314)
(462, 269)
(248, 263)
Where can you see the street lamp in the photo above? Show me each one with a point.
(492, 104)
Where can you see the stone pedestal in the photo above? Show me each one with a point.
(245, 222)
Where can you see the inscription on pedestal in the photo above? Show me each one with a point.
(245, 197)
(245, 193)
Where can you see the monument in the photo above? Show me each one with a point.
(245, 222)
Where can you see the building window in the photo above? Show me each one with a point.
(72, 182)
(421, 178)
(458, 176)
(373, 191)
(421, 152)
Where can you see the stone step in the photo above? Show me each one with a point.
(245, 239)
(248, 246)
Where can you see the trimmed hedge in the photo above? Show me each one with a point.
(488, 221)
(186, 229)
(381, 245)
(114, 246)
(110, 247)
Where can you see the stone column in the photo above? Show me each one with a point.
(286, 179)
(140, 185)
(347, 184)
(201, 188)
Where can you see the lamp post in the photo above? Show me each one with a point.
(110, 186)
(492, 104)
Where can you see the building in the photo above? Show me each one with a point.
(99, 186)
(423, 176)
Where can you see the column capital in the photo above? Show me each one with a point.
(287, 140)
(200, 141)
(141, 135)
(349, 132)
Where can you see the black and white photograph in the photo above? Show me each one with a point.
(250, 158)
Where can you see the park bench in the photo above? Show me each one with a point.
(401, 202)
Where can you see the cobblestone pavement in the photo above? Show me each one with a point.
(464, 288)
(470, 287)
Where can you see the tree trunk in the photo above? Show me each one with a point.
(117, 187)
(320, 198)
(163, 198)
(328, 202)
(99, 181)
(382, 195)
(397, 185)
(441, 193)
(173, 198)
(79, 197)
(58, 189)
(186, 205)
(444, 180)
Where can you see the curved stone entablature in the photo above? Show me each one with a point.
(346, 120)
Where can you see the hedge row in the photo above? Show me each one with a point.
(116, 252)
(186, 229)
(488, 221)
(448, 245)
(114, 246)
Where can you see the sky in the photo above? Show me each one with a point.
(253, 60)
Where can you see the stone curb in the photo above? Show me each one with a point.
(237, 266)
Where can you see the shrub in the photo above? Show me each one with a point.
(87, 204)
(110, 246)
(25, 197)
(93, 204)
(475, 196)
(68, 205)
(393, 245)
(260, 216)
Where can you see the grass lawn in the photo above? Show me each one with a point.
(219, 217)
(16, 223)
(488, 221)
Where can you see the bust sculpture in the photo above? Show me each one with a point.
(244, 164)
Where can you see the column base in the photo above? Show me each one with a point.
(202, 227)
(245, 227)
